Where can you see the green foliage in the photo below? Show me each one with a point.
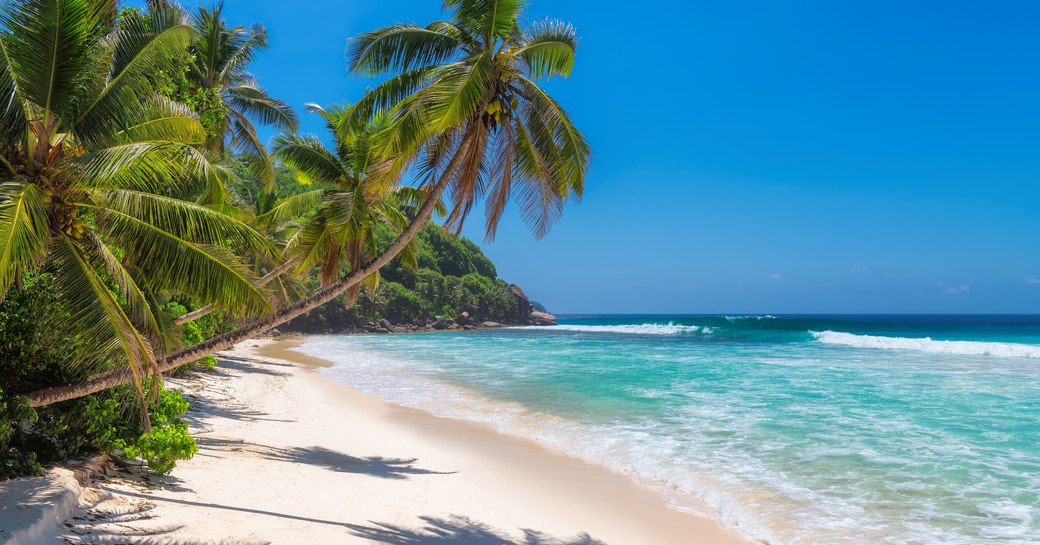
(398, 304)
(193, 333)
(453, 276)
(169, 440)
(104, 422)
(469, 88)
(31, 343)
(93, 156)
(15, 414)
(34, 354)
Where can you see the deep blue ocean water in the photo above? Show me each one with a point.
(791, 429)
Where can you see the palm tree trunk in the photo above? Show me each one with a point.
(111, 379)
(265, 280)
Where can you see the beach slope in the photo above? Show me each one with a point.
(288, 456)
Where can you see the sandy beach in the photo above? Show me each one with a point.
(288, 456)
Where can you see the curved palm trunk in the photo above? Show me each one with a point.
(265, 280)
(110, 379)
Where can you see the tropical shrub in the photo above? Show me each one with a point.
(169, 440)
(32, 353)
(105, 422)
(398, 304)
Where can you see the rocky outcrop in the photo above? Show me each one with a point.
(542, 318)
(525, 314)
(523, 305)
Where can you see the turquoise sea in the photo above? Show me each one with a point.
(791, 429)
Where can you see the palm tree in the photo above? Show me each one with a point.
(89, 155)
(469, 108)
(467, 111)
(346, 203)
(222, 87)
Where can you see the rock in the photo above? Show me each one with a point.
(523, 306)
(443, 323)
(542, 318)
(491, 324)
(385, 324)
(462, 319)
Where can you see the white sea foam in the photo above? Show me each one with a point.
(750, 317)
(927, 344)
(630, 329)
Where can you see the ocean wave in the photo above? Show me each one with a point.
(927, 344)
(631, 329)
(756, 317)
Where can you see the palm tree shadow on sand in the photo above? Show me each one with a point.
(458, 530)
(374, 466)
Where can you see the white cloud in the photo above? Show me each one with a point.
(860, 268)
(955, 290)
(1032, 280)
(776, 276)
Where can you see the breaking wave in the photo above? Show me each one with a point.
(630, 329)
(927, 344)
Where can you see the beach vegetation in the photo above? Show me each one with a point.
(462, 109)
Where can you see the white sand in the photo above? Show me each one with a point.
(288, 456)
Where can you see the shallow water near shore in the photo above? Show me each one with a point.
(794, 430)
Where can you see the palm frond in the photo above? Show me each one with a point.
(252, 100)
(212, 273)
(95, 319)
(575, 152)
(500, 179)
(153, 165)
(12, 107)
(252, 151)
(141, 47)
(459, 91)
(235, 63)
(136, 303)
(24, 230)
(47, 43)
(548, 48)
(538, 195)
(399, 47)
(387, 95)
(308, 157)
(162, 120)
(487, 18)
(293, 207)
(469, 181)
(186, 220)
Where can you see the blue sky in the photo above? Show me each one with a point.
(760, 156)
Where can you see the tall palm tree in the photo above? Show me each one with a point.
(469, 107)
(89, 155)
(467, 111)
(218, 72)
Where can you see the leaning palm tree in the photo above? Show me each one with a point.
(467, 112)
(89, 156)
(222, 85)
(330, 227)
(469, 108)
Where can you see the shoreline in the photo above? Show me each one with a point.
(290, 456)
(281, 348)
